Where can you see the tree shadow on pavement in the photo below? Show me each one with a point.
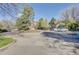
(60, 37)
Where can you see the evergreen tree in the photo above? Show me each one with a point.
(42, 24)
(26, 18)
(52, 22)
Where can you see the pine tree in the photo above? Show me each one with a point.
(26, 18)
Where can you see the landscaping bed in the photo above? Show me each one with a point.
(5, 41)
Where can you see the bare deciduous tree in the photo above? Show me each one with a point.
(71, 13)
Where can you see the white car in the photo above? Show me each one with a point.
(64, 29)
(55, 29)
(58, 29)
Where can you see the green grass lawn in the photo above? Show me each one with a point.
(5, 40)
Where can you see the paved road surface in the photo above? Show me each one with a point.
(32, 44)
(29, 44)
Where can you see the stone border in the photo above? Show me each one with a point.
(6, 46)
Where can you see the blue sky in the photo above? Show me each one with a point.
(48, 10)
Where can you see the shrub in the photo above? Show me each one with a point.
(3, 30)
(73, 26)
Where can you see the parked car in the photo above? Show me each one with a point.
(64, 29)
(60, 29)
